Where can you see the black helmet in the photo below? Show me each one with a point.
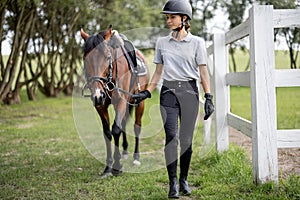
(178, 7)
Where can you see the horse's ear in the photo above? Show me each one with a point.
(83, 34)
(108, 33)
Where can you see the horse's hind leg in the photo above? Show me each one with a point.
(125, 142)
(136, 155)
(124, 122)
(139, 111)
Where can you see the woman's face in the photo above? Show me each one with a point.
(173, 21)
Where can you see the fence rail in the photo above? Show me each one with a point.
(262, 78)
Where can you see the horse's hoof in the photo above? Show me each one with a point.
(125, 155)
(106, 175)
(116, 172)
(136, 163)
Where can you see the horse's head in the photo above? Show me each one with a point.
(97, 61)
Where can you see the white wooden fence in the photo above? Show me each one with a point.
(263, 79)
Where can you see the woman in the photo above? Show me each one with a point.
(180, 60)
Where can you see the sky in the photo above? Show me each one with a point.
(5, 47)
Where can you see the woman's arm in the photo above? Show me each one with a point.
(208, 104)
(156, 77)
(204, 77)
(154, 81)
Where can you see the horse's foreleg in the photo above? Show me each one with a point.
(136, 155)
(124, 122)
(109, 160)
(125, 142)
(117, 166)
(117, 129)
(107, 137)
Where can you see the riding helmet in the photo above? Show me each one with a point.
(178, 7)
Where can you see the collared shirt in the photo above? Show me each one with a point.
(181, 59)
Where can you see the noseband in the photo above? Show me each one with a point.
(106, 83)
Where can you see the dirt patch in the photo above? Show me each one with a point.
(288, 158)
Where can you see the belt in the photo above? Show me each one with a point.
(179, 84)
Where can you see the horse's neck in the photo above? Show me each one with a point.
(116, 40)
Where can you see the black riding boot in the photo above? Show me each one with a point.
(172, 171)
(173, 190)
(184, 186)
(185, 160)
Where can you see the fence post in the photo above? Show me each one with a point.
(221, 92)
(263, 96)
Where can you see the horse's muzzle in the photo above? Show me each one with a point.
(98, 98)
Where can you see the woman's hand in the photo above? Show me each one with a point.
(208, 105)
(139, 97)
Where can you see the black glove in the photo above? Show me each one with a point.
(141, 96)
(208, 105)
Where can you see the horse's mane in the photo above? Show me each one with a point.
(92, 42)
(96, 41)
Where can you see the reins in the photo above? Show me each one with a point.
(116, 87)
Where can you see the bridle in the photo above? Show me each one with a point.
(107, 82)
(108, 86)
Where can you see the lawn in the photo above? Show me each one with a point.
(45, 156)
(287, 105)
(53, 148)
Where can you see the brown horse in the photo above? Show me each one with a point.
(111, 80)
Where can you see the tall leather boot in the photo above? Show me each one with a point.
(173, 189)
(185, 160)
(184, 186)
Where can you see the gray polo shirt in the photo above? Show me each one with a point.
(181, 59)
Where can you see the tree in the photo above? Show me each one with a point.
(236, 10)
(46, 51)
(291, 34)
(19, 18)
(140, 20)
(203, 10)
(56, 29)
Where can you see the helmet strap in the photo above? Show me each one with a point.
(178, 29)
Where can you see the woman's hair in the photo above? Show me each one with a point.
(187, 24)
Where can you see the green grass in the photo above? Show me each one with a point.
(282, 60)
(49, 150)
(42, 157)
(287, 105)
(287, 99)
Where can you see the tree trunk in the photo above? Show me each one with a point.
(2, 19)
(11, 66)
(290, 38)
(231, 51)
